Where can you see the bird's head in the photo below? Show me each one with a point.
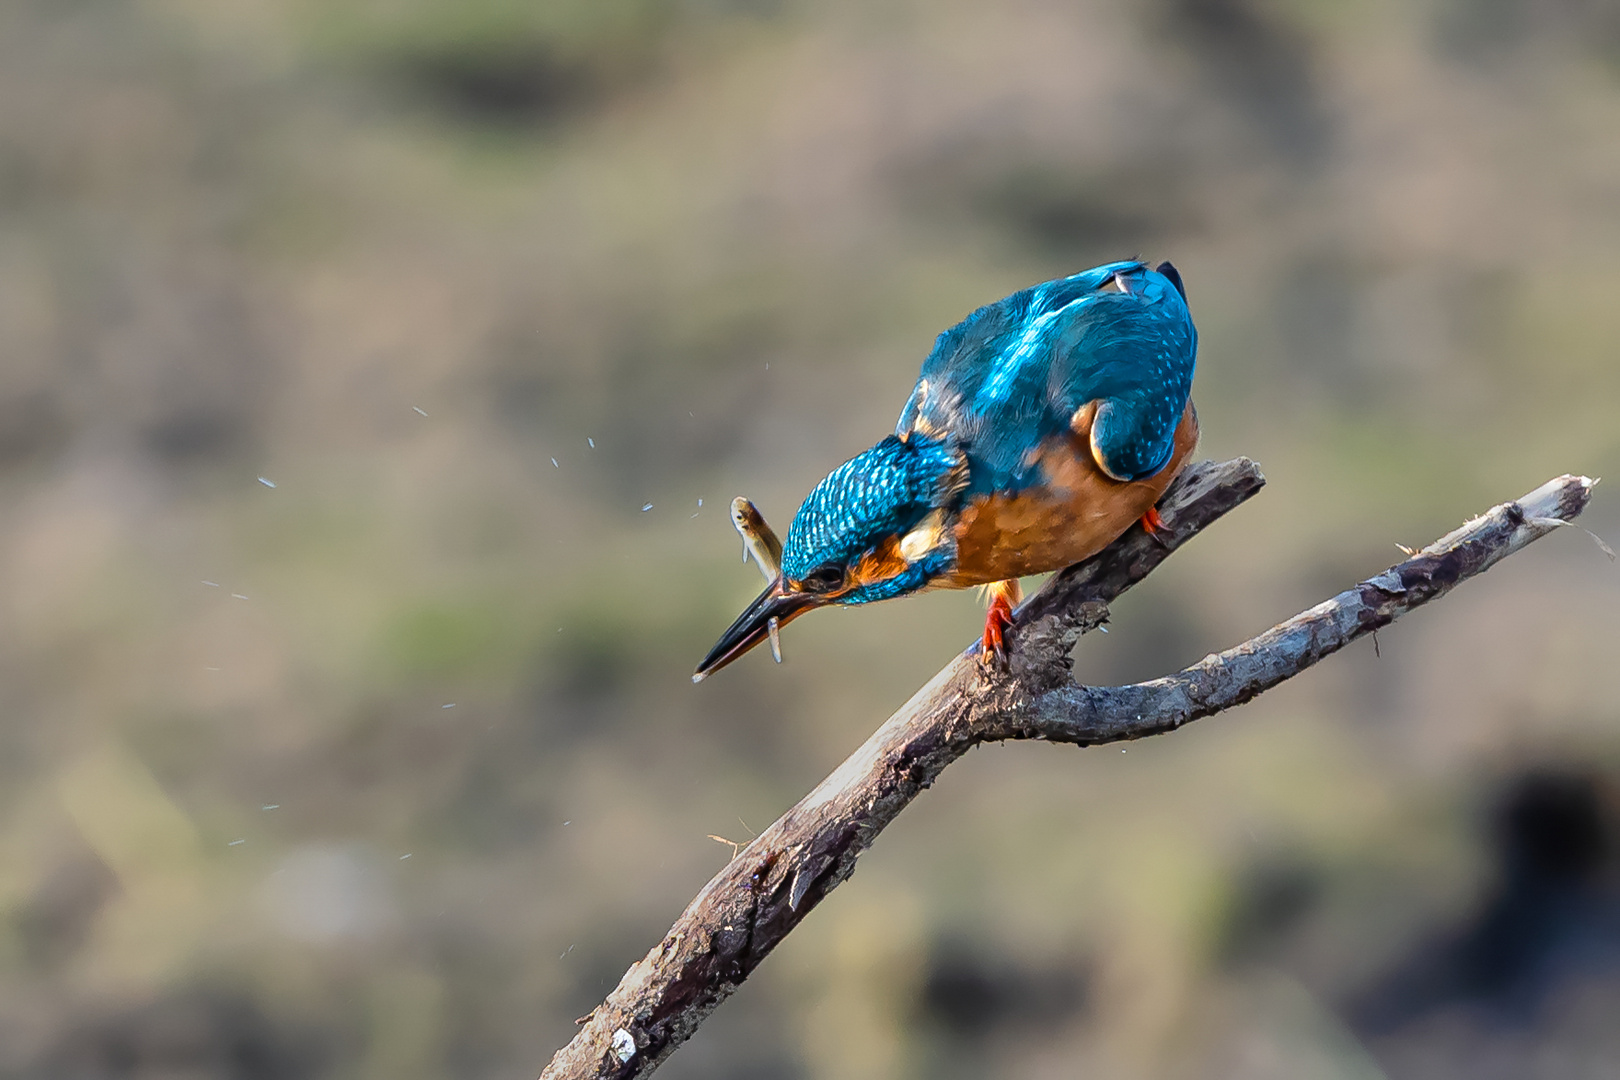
(879, 526)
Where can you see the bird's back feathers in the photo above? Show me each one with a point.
(1016, 372)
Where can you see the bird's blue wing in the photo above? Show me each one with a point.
(1134, 354)
(1014, 373)
(986, 383)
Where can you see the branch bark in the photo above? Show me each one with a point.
(773, 882)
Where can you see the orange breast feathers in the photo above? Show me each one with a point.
(1075, 514)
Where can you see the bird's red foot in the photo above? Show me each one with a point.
(1153, 524)
(996, 621)
(1003, 595)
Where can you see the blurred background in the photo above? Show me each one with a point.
(375, 376)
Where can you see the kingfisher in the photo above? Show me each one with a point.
(1041, 428)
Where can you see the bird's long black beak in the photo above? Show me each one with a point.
(754, 626)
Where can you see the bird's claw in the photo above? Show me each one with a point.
(1153, 525)
(993, 646)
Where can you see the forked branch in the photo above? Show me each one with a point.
(773, 882)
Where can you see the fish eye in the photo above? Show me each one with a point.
(825, 579)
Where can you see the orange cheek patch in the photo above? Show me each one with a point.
(879, 564)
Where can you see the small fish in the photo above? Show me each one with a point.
(267, 483)
(418, 409)
(759, 539)
(646, 508)
(554, 464)
(591, 441)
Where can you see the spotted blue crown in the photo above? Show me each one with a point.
(877, 494)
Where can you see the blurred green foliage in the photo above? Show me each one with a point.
(474, 282)
(499, 60)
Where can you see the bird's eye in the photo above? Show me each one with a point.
(825, 580)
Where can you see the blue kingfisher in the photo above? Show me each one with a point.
(1041, 427)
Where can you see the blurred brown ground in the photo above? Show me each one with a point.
(391, 769)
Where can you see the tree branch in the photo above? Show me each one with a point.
(773, 882)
